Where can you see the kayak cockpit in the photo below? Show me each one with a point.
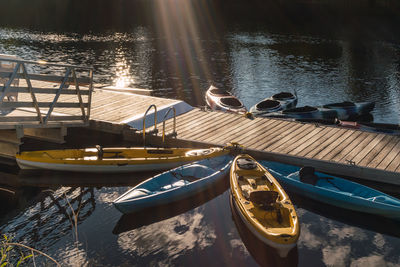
(231, 102)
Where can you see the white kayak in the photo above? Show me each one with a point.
(218, 99)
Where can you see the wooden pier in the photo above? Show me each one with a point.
(54, 108)
(350, 152)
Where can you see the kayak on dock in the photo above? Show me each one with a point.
(263, 205)
(218, 99)
(174, 185)
(334, 190)
(349, 110)
(307, 112)
(101, 159)
(277, 102)
(387, 128)
(340, 111)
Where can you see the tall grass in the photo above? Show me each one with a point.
(12, 253)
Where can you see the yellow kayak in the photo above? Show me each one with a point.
(263, 205)
(114, 159)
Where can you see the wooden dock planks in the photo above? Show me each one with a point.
(339, 150)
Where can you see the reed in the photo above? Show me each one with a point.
(12, 253)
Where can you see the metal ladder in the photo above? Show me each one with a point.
(155, 130)
(174, 133)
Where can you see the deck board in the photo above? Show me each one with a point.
(230, 135)
(389, 163)
(298, 149)
(257, 131)
(257, 141)
(321, 146)
(370, 146)
(379, 158)
(207, 124)
(357, 149)
(298, 140)
(350, 146)
(209, 129)
(291, 137)
(376, 150)
(317, 143)
(332, 145)
(283, 133)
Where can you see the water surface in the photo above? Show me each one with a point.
(179, 56)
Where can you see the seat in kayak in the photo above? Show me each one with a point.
(246, 164)
(265, 199)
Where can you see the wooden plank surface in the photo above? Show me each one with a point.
(327, 147)
(301, 146)
(361, 144)
(255, 141)
(321, 145)
(283, 136)
(376, 152)
(389, 163)
(298, 140)
(231, 135)
(346, 148)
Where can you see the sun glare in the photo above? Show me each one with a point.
(184, 24)
(123, 77)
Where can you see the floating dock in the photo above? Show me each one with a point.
(349, 152)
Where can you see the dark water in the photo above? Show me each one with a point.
(178, 53)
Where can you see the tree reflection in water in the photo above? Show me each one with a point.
(45, 221)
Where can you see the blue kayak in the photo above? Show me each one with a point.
(174, 185)
(334, 191)
(306, 112)
(350, 110)
(342, 111)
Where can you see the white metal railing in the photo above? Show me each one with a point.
(155, 130)
(42, 93)
(173, 134)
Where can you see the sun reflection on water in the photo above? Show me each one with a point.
(123, 77)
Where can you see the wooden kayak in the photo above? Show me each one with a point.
(114, 159)
(175, 184)
(334, 190)
(263, 205)
(218, 99)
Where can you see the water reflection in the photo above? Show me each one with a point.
(136, 220)
(51, 216)
(47, 178)
(341, 238)
(365, 221)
